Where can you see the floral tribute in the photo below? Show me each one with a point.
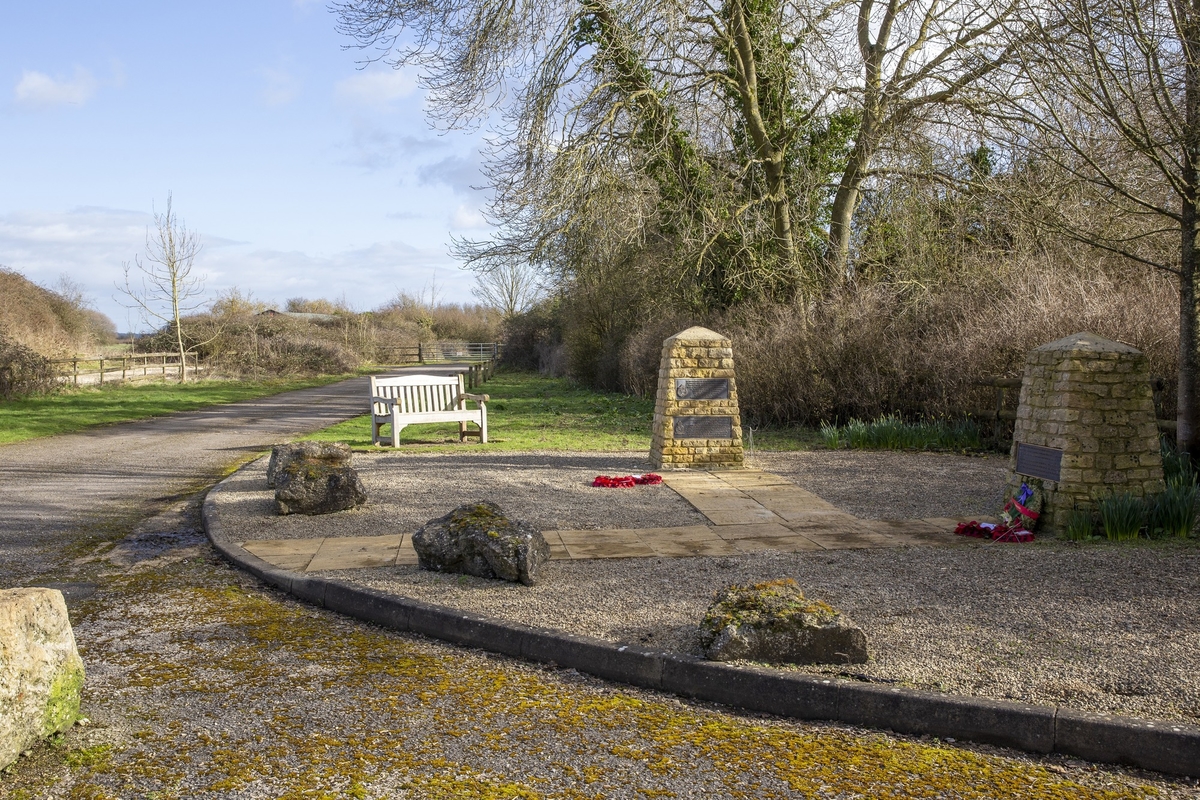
(1019, 517)
(627, 481)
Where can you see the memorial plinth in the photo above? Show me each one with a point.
(1085, 426)
(696, 419)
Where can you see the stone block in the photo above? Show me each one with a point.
(41, 673)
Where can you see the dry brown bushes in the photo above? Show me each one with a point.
(48, 322)
(922, 352)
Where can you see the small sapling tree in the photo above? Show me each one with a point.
(163, 288)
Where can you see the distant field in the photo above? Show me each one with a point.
(528, 412)
(531, 412)
(81, 408)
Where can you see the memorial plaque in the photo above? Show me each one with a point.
(702, 389)
(703, 427)
(1039, 462)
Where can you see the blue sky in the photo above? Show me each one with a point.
(304, 174)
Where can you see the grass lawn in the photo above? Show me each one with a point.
(528, 412)
(80, 408)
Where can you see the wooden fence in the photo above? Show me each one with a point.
(480, 357)
(85, 370)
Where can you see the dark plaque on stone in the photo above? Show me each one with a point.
(702, 389)
(1039, 462)
(703, 427)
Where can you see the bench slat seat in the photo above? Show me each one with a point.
(415, 399)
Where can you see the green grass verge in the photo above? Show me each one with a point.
(81, 408)
(528, 412)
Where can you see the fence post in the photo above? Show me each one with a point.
(101, 371)
(75, 371)
(124, 366)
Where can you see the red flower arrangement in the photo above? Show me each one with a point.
(627, 481)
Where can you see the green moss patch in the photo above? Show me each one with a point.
(764, 605)
(62, 706)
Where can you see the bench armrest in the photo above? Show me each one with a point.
(478, 398)
(384, 400)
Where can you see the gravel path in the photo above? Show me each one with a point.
(202, 684)
(1096, 627)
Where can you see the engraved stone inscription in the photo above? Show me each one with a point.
(1039, 462)
(702, 389)
(703, 427)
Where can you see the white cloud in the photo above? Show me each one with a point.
(376, 89)
(91, 244)
(373, 147)
(280, 86)
(461, 173)
(39, 90)
(467, 218)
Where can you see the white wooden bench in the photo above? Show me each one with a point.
(413, 399)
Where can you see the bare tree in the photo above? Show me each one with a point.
(919, 61)
(1109, 125)
(511, 288)
(163, 288)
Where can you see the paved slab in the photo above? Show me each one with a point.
(749, 511)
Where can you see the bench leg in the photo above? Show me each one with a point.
(396, 427)
(483, 426)
(462, 431)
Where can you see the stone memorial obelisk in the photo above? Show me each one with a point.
(696, 420)
(1085, 426)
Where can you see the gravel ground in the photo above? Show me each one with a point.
(1095, 627)
(896, 485)
(551, 491)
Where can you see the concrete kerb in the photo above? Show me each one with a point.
(1162, 746)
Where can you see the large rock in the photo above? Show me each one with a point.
(316, 478)
(477, 539)
(776, 623)
(41, 674)
(335, 454)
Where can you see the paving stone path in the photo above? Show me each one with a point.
(749, 510)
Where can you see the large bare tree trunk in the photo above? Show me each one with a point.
(1185, 432)
(771, 154)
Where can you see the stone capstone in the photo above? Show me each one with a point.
(41, 674)
(317, 479)
(333, 453)
(477, 539)
(774, 622)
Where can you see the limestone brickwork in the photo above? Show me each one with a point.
(695, 353)
(1089, 397)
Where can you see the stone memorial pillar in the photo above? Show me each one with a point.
(1085, 426)
(696, 421)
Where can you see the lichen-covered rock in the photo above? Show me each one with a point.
(317, 486)
(776, 623)
(335, 454)
(477, 539)
(41, 674)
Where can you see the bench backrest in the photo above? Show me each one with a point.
(419, 393)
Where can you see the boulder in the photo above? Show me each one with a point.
(477, 539)
(774, 622)
(317, 480)
(41, 674)
(335, 454)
